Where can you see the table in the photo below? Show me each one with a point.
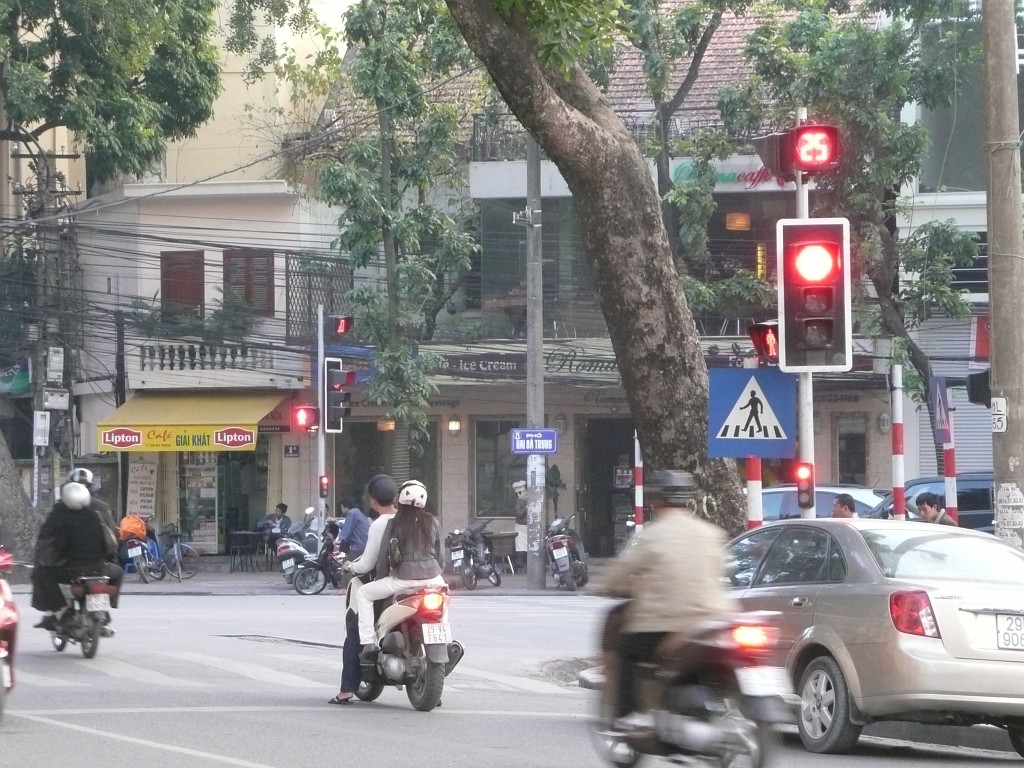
(242, 546)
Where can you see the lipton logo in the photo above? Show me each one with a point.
(234, 437)
(122, 437)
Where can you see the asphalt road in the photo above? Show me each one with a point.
(243, 680)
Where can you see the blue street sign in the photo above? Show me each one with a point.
(534, 441)
(752, 412)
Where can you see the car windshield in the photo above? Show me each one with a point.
(944, 555)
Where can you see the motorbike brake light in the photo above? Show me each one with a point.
(752, 636)
(911, 613)
(558, 544)
(432, 601)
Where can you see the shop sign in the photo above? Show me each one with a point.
(218, 437)
(142, 489)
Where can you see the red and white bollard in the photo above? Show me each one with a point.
(638, 485)
(755, 509)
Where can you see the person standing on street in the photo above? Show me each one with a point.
(930, 507)
(355, 528)
(843, 505)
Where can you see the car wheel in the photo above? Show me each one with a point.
(1016, 734)
(824, 722)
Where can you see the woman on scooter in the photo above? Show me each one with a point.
(415, 534)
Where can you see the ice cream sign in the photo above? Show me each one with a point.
(200, 437)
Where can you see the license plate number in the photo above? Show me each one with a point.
(763, 681)
(437, 633)
(1010, 632)
(100, 602)
(456, 554)
(288, 566)
(134, 552)
(561, 553)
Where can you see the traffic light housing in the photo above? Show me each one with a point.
(765, 337)
(805, 485)
(815, 311)
(807, 148)
(337, 397)
(979, 388)
(325, 486)
(305, 417)
(341, 325)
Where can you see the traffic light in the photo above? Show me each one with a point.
(815, 315)
(765, 337)
(809, 149)
(325, 486)
(805, 485)
(305, 417)
(979, 388)
(336, 381)
(341, 324)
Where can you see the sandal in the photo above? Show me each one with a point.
(340, 698)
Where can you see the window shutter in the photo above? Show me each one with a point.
(249, 276)
(182, 284)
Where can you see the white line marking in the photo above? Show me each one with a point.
(520, 683)
(252, 671)
(43, 681)
(122, 669)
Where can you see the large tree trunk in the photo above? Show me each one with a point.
(651, 327)
(19, 522)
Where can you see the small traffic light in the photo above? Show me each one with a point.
(342, 324)
(337, 398)
(809, 149)
(765, 337)
(815, 313)
(979, 388)
(325, 486)
(305, 417)
(805, 485)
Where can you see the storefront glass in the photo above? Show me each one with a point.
(496, 467)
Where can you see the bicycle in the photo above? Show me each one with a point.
(181, 561)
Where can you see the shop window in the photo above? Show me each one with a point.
(182, 283)
(850, 451)
(249, 276)
(496, 467)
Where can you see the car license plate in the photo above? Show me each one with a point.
(561, 553)
(763, 681)
(1010, 631)
(135, 552)
(100, 602)
(437, 633)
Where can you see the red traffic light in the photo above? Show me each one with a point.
(804, 485)
(325, 486)
(305, 417)
(342, 324)
(816, 262)
(804, 472)
(765, 337)
(814, 148)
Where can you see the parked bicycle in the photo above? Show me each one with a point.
(179, 560)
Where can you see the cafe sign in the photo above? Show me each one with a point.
(205, 437)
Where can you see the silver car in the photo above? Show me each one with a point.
(885, 620)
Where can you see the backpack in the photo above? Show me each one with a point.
(132, 527)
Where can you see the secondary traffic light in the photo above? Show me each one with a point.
(807, 148)
(815, 314)
(337, 398)
(979, 388)
(341, 324)
(765, 337)
(805, 485)
(325, 486)
(305, 417)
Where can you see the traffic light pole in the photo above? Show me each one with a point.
(321, 436)
(805, 381)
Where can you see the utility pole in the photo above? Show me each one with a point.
(805, 380)
(120, 396)
(1005, 263)
(536, 560)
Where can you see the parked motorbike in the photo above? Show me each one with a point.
(291, 553)
(314, 573)
(416, 646)
(8, 629)
(566, 556)
(715, 695)
(472, 554)
(87, 617)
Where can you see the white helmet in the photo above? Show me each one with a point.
(80, 475)
(75, 496)
(309, 511)
(413, 493)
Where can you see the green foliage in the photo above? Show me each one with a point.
(124, 75)
(232, 319)
(17, 297)
(930, 255)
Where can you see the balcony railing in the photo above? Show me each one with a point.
(203, 356)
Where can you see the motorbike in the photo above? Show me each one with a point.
(471, 552)
(715, 697)
(314, 573)
(416, 647)
(8, 629)
(292, 552)
(87, 617)
(566, 555)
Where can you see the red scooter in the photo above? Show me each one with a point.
(8, 628)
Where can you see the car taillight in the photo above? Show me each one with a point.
(752, 637)
(911, 612)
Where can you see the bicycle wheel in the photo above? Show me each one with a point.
(189, 562)
(141, 568)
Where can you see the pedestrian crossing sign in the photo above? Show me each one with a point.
(752, 412)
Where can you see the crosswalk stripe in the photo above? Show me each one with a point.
(252, 671)
(122, 669)
(519, 683)
(44, 681)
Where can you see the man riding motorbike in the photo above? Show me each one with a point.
(673, 576)
(72, 542)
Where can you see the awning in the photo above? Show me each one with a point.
(186, 421)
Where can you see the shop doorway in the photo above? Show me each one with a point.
(605, 501)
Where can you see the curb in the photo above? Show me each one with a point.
(987, 737)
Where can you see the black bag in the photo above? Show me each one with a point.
(384, 563)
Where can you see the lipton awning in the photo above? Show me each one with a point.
(186, 421)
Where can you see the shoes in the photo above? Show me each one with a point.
(48, 622)
(634, 721)
(342, 698)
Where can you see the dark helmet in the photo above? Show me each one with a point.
(382, 488)
(673, 486)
